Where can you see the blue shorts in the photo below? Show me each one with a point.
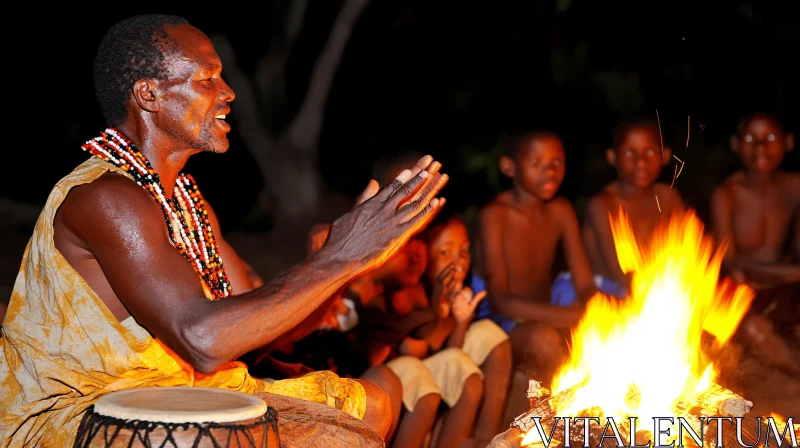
(562, 294)
(563, 291)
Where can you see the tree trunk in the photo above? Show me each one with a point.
(289, 163)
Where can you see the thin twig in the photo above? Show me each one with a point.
(674, 176)
(659, 205)
(688, 127)
(660, 135)
(679, 160)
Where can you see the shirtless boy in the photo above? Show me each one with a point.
(519, 234)
(638, 156)
(756, 212)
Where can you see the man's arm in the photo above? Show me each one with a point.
(597, 215)
(490, 224)
(124, 229)
(575, 251)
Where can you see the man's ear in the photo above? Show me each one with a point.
(667, 155)
(507, 166)
(611, 156)
(144, 92)
(735, 143)
(789, 141)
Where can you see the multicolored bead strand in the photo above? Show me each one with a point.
(193, 238)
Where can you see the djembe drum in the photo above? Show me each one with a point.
(178, 417)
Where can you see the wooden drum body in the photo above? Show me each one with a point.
(178, 417)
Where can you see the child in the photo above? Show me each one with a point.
(754, 211)
(638, 157)
(487, 344)
(518, 236)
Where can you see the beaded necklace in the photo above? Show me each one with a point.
(185, 211)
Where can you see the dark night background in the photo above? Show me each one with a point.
(449, 79)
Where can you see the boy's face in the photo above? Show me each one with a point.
(450, 244)
(539, 167)
(407, 266)
(761, 145)
(638, 157)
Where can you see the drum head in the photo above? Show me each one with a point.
(180, 405)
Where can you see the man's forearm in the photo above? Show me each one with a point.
(233, 326)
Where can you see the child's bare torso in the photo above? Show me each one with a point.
(762, 217)
(644, 212)
(530, 241)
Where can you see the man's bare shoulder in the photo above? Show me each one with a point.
(111, 197)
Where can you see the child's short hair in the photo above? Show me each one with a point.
(626, 125)
(760, 113)
(516, 142)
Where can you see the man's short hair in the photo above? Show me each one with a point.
(132, 49)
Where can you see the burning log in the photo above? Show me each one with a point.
(721, 401)
(509, 439)
(716, 401)
(543, 406)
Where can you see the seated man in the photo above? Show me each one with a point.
(127, 281)
(756, 212)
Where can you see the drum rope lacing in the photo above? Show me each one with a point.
(108, 428)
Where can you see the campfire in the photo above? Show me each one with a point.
(652, 354)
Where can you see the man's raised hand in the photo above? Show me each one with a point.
(383, 220)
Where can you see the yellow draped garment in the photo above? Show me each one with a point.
(62, 348)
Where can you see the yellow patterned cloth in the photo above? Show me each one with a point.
(62, 348)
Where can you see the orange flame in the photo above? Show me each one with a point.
(650, 342)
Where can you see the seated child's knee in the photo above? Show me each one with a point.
(386, 379)
(545, 339)
(501, 352)
(377, 398)
(417, 382)
(473, 389)
(456, 357)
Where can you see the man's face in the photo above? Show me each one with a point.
(194, 100)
